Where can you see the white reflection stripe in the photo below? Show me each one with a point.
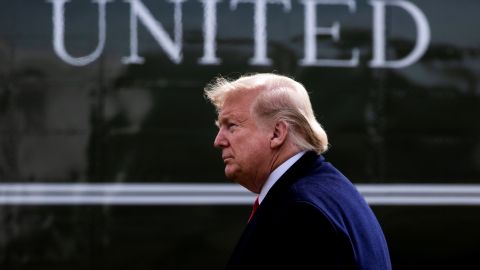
(217, 194)
(209, 200)
(420, 188)
(128, 200)
(220, 188)
(445, 201)
(120, 187)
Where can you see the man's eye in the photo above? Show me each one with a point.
(231, 126)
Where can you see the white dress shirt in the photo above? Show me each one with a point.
(277, 173)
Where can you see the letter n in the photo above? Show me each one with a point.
(173, 48)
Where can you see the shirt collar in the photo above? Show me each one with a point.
(277, 173)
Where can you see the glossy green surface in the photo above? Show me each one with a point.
(112, 122)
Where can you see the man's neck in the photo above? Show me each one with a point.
(289, 150)
(278, 158)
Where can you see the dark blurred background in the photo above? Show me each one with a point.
(111, 122)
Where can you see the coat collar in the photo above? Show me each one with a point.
(299, 169)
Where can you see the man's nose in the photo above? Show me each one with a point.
(220, 140)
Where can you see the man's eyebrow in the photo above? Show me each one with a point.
(220, 120)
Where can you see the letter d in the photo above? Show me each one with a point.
(422, 40)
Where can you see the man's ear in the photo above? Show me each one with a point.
(279, 135)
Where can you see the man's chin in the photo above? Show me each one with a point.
(231, 173)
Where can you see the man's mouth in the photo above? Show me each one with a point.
(226, 158)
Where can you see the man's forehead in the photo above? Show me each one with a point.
(238, 104)
(232, 113)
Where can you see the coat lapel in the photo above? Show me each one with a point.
(301, 168)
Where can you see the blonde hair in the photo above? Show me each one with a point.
(280, 99)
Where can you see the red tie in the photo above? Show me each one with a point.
(255, 206)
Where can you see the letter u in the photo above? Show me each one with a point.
(59, 33)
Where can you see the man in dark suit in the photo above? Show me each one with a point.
(308, 215)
